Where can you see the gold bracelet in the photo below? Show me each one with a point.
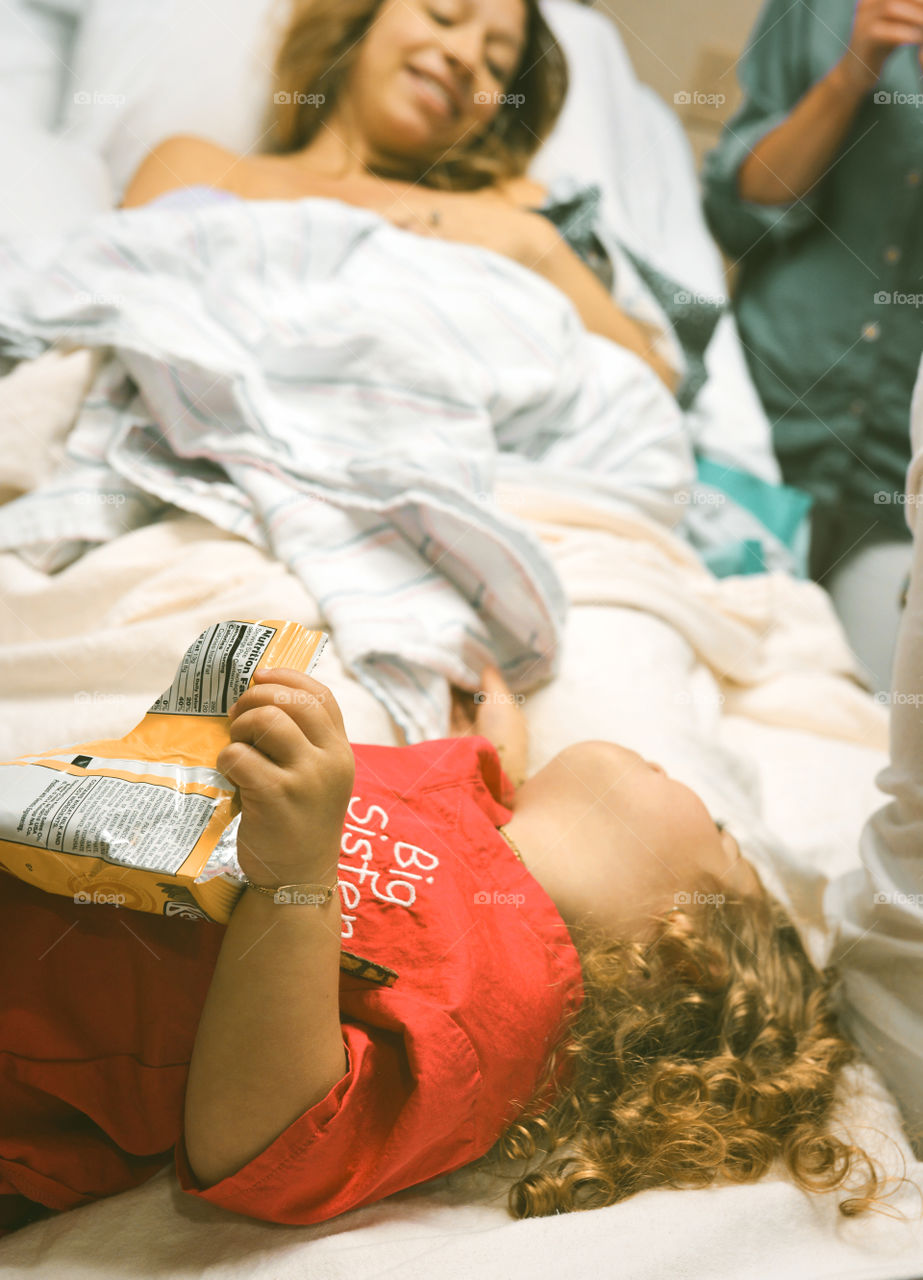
(296, 895)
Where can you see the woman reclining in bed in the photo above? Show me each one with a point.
(427, 111)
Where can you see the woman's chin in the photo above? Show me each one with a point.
(407, 135)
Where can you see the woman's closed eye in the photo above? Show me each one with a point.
(444, 18)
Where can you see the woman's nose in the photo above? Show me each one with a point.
(463, 47)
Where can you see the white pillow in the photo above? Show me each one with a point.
(144, 71)
(34, 50)
(57, 183)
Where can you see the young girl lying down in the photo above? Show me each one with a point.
(588, 975)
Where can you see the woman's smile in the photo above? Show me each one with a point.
(434, 92)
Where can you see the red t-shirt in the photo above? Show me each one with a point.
(99, 1009)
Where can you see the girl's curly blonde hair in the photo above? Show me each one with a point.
(321, 44)
(704, 1056)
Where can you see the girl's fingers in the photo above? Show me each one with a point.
(271, 731)
(309, 703)
(246, 768)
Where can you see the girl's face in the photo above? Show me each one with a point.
(617, 841)
(431, 73)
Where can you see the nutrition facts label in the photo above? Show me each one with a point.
(138, 824)
(215, 670)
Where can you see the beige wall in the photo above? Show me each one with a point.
(687, 47)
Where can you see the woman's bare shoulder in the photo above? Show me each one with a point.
(522, 191)
(184, 160)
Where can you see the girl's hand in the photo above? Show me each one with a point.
(495, 713)
(293, 766)
(879, 27)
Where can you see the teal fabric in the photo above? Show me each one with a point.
(782, 510)
(829, 301)
(693, 319)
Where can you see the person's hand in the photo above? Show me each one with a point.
(879, 27)
(495, 713)
(293, 766)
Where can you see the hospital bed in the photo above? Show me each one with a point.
(744, 688)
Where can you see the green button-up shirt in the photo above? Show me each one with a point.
(830, 293)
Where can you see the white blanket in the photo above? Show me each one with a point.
(289, 371)
(656, 654)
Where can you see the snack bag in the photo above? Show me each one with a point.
(146, 821)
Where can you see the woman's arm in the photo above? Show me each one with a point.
(496, 714)
(790, 160)
(269, 1043)
(564, 268)
(493, 221)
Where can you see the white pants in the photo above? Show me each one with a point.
(866, 592)
(878, 911)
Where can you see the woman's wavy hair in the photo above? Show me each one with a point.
(321, 44)
(702, 1057)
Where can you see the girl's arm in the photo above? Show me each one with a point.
(269, 1043)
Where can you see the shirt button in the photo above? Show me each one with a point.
(892, 254)
(913, 178)
(871, 332)
(857, 408)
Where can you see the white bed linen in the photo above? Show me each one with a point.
(242, 331)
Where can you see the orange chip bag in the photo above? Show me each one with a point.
(146, 821)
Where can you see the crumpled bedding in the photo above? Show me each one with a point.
(287, 370)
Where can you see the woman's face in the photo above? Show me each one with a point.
(433, 72)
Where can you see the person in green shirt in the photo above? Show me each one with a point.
(815, 190)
